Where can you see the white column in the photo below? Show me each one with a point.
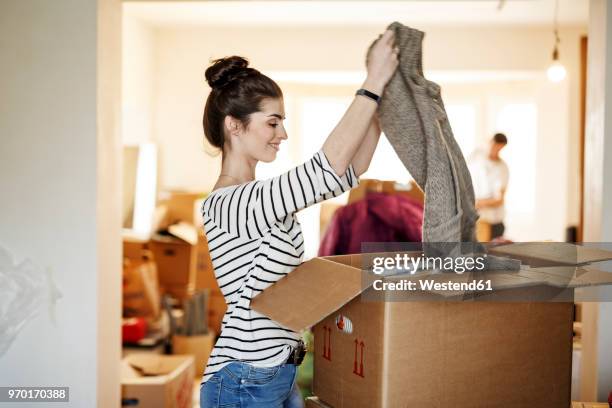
(60, 195)
(596, 372)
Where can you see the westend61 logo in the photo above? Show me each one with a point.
(411, 264)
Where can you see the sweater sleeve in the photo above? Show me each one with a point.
(251, 209)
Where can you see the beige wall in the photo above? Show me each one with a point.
(182, 54)
(138, 78)
(60, 193)
(108, 155)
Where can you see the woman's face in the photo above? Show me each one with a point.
(262, 138)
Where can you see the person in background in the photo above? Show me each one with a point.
(490, 178)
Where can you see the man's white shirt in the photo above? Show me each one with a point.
(489, 177)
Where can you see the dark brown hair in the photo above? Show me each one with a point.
(237, 91)
(500, 138)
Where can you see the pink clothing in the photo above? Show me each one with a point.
(379, 217)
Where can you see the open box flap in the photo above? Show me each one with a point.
(184, 231)
(590, 275)
(311, 292)
(321, 286)
(177, 233)
(552, 252)
(152, 365)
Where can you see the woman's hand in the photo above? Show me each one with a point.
(349, 136)
(382, 62)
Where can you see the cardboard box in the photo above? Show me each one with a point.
(157, 381)
(176, 251)
(425, 352)
(141, 295)
(136, 249)
(483, 231)
(197, 346)
(179, 292)
(183, 206)
(183, 266)
(182, 255)
(411, 189)
(205, 275)
(180, 248)
(216, 311)
(445, 351)
(314, 402)
(176, 260)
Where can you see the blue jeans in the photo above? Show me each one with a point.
(242, 385)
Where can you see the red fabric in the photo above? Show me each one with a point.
(133, 329)
(379, 217)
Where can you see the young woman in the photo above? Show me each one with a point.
(253, 235)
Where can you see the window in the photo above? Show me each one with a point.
(462, 118)
(318, 117)
(518, 122)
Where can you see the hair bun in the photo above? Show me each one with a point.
(224, 71)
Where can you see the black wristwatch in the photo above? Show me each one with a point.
(369, 94)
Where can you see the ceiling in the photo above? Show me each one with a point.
(433, 12)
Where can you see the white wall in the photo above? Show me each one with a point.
(59, 175)
(181, 55)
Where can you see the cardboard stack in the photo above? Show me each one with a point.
(180, 252)
(178, 245)
(187, 251)
(432, 351)
(179, 264)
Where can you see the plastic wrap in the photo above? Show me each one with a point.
(25, 290)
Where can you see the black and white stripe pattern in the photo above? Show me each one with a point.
(254, 240)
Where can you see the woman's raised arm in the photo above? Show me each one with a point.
(345, 140)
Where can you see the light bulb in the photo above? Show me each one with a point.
(556, 72)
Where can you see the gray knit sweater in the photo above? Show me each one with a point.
(413, 118)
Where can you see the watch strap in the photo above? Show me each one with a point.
(366, 93)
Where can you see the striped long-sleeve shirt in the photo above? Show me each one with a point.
(254, 240)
